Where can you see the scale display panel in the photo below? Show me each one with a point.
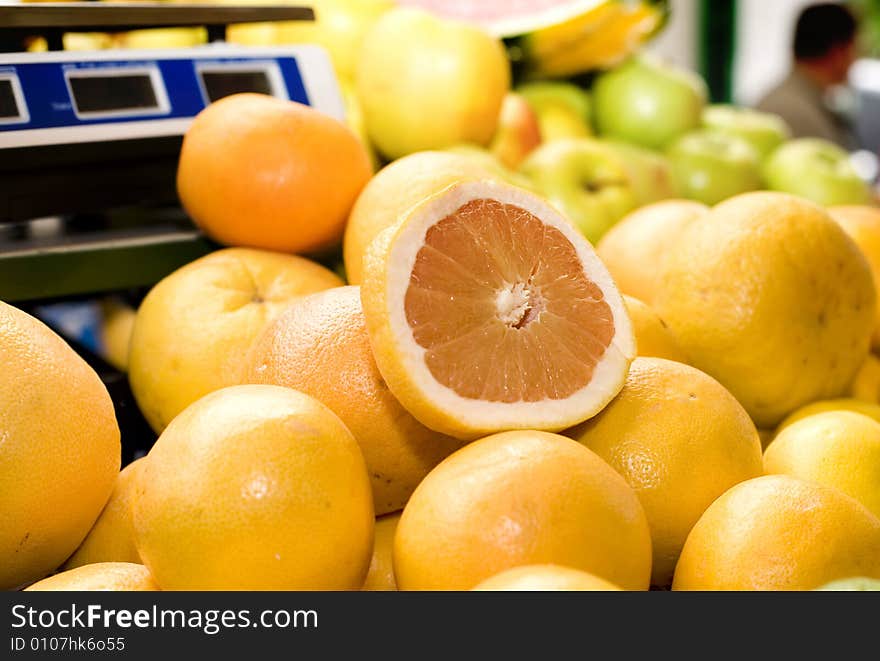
(8, 104)
(12, 107)
(223, 80)
(116, 93)
(71, 97)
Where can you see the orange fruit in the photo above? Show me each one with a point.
(380, 576)
(100, 577)
(195, 326)
(111, 539)
(668, 419)
(862, 223)
(653, 337)
(319, 346)
(270, 173)
(487, 311)
(779, 533)
(742, 294)
(255, 488)
(635, 248)
(839, 449)
(521, 498)
(394, 189)
(59, 448)
(542, 578)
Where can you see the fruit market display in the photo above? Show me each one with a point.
(538, 316)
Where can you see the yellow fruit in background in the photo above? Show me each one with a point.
(771, 297)
(59, 448)
(115, 335)
(319, 346)
(840, 449)
(862, 223)
(86, 41)
(779, 533)
(393, 190)
(246, 34)
(518, 498)
(162, 38)
(866, 384)
(99, 577)
(680, 440)
(255, 488)
(653, 337)
(428, 83)
(195, 326)
(339, 26)
(253, 34)
(541, 578)
(870, 409)
(599, 38)
(380, 576)
(111, 539)
(487, 310)
(635, 249)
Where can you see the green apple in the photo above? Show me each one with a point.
(817, 170)
(650, 172)
(856, 583)
(563, 108)
(585, 179)
(709, 166)
(647, 102)
(763, 130)
(518, 131)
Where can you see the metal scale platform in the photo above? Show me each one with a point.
(89, 143)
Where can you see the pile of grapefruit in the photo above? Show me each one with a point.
(427, 378)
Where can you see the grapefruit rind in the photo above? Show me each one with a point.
(507, 21)
(388, 263)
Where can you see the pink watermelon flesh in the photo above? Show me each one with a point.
(505, 18)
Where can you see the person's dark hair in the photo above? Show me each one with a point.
(822, 27)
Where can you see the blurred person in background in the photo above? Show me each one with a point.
(824, 48)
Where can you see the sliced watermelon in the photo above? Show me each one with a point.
(560, 38)
(508, 18)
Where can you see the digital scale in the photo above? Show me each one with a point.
(111, 109)
(73, 97)
(89, 141)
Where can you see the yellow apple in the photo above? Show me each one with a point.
(339, 26)
(429, 83)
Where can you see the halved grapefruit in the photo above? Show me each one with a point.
(487, 311)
